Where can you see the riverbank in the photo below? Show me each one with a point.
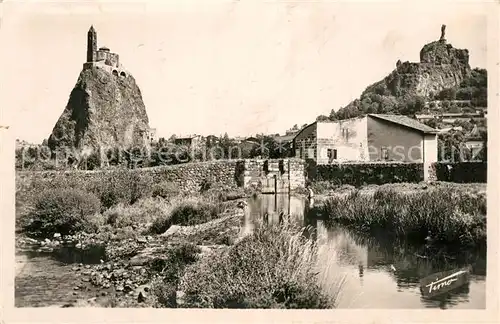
(272, 267)
(113, 251)
(441, 214)
(323, 189)
(116, 267)
(164, 248)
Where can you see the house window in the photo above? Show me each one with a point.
(345, 133)
(332, 154)
(385, 153)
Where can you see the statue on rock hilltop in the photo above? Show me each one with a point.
(443, 30)
(439, 53)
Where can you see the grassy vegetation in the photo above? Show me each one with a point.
(322, 187)
(169, 271)
(126, 200)
(165, 189)
(188, 212)
(274, 267)
(448, 216)
(331, 188)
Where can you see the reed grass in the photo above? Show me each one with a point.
(273, 267)
(443, 215)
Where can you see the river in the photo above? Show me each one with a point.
(376, 274)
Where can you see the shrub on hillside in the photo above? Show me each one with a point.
(274, 267)
(64, 211)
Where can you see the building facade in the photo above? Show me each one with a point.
(373, 137)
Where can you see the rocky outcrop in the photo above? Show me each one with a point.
(441, 67)
(104, 110)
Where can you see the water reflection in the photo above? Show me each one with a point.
(70, 254)
(381, 272)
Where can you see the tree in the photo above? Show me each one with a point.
(452, 147)
(271, 148)
(431, 123)
(211, 141)
(320, 118)
(447, 94)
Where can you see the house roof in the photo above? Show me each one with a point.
(303, 128)
(284, 138)
(187, 137)
(407, 122)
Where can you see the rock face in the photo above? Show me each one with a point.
(441, 66)
(104, 110)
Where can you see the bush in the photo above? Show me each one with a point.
(467, 172)
(121, 186)
(447, 94)
(358, 174)
(206, 184)
(64, 211)
(187, 213)
(274, 267)
(165, 189)
(142, 212)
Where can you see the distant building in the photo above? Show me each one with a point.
(450, 118)
(152, 135)
(474, 142)
(372, 137)
(253, 139)
(191, 141)
(475, 145)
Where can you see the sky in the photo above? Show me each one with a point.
(210, 67)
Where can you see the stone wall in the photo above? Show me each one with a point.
(289, 173)
(109, 58)
(296, 173)
(305, 142)
(189, 177)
